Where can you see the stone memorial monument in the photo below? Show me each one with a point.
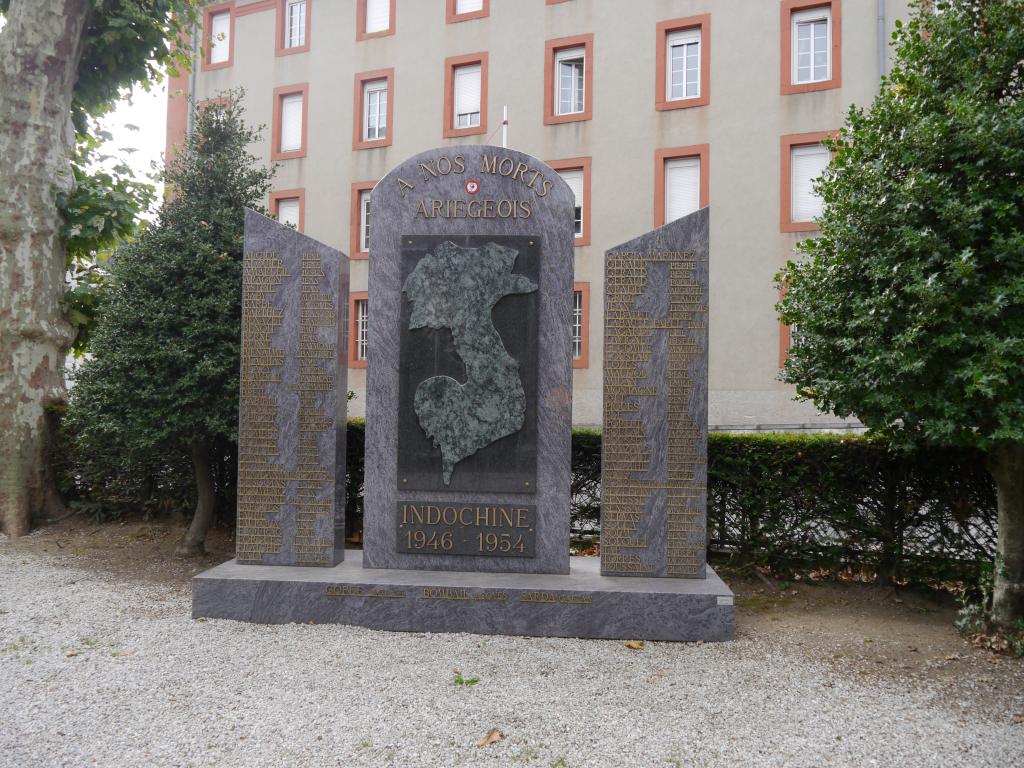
(466, 513)
(291, 410)
(654, 449)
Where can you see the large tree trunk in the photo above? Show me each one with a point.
(40, 48)
(1007, 466)
(206, 502)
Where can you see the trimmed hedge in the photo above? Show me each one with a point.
(791, 500)
(785, 500)
(834, 500)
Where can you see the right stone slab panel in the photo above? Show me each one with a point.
(654, 451)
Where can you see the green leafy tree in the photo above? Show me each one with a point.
(909, 307)
(63, 63)
(163, 373)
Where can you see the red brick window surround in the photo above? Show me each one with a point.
(294, 20)
(373, 109)
(681, 180)
(811, 45)
(218, 36)
(465, 95)
(802, 158)
(289, 206)
(581, 325)
(576, 173)
(683, 77)
(569, 79)
(358, 315)
(374, 18)
(465, 10)
(291, 118)
(359, 220)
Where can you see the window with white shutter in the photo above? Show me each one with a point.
(468, 6)
(288, 211)
(683, 63)
(577, 325)
(291, 122)
(807, 163)
(364, 220)
(570, 68)
(375, 110)
(295, 24)
(220, 37)
(378, 16)
(362, 315)
(812, 45)
(574, 178)
(466, 83)
(682, 187)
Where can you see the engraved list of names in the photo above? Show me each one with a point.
(654, 474)
(289, 398)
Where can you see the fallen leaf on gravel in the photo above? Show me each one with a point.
(634, 645)
(953, 657)
(912, 648)
(72, 652)
(493, 735)
(1018, 720)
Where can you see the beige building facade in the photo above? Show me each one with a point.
(650, 108)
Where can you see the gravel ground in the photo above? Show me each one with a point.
(96, 672)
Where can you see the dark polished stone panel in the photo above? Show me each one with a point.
(482, 354)
(291, 417)
(654, 448)
(581, 603)
(485, 194)
(507, 530)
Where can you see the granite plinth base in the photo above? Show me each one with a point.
(582, 604)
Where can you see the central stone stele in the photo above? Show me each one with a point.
(468, 424)
(469, 409)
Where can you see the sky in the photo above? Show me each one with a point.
(148, 112)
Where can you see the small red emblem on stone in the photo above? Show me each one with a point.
(472, 186)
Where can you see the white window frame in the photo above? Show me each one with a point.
(676, 162)
(577, 180)
(286, 100)
(811, 16)
(362, 314)
(795, 184)
(577, 325)
(295, 23)
(579, 90)
(289, 201)
(383, 24)
(682, 38)
(364, 221)
(457, 117)
(373, 88)
(220, 49)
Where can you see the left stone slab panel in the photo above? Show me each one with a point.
(292, 404)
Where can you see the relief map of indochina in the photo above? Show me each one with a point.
(456, 288)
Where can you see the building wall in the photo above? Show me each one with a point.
(743, 123)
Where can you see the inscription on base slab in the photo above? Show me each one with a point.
(440, 528)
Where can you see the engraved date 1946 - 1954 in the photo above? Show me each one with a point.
(502, 531)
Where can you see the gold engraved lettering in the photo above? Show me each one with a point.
(266, 485)
(641, 317)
